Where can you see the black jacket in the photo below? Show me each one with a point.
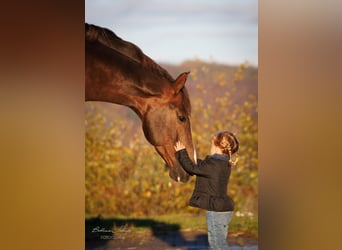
(212, 175)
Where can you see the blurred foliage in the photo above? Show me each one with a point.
(126, 177)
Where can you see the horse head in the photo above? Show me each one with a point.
(167, 121)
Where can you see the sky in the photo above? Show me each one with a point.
(173, 31)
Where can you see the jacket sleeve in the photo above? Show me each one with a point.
(189, 166)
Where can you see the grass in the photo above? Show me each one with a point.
(171, 222)
(185, 221)
(244, 225)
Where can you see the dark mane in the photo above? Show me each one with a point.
(109, 39)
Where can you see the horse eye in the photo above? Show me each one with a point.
(182, 118)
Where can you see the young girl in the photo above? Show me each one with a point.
(212, 176)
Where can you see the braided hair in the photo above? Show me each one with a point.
(229, 145)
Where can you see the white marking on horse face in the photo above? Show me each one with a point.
(178, 179)
(195, 154)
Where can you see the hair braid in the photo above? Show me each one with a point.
(230, 156)
(229, 145)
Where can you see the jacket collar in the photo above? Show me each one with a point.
(220, 157)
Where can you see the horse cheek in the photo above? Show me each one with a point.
(152, 127)
(184, 134)
(147, 129)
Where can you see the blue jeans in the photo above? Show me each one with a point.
(217, 223)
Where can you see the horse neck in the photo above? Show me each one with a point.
(136, 102)
(112, 77)
(125, 91)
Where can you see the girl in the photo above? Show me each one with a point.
(212, 176)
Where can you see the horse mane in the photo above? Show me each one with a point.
(109, 39)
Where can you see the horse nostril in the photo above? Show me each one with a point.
(178, 179)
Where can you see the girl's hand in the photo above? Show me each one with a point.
(179, 146)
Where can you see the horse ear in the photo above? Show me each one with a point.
(180, 82)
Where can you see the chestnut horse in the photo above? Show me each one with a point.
(117, 71)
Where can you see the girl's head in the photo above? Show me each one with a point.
(227, 143)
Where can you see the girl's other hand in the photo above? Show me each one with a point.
(179, 146)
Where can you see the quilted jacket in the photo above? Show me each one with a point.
(212, 176)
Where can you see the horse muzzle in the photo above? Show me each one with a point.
(176, 172)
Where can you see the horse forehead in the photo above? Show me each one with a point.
(178, 101)
(167, 103)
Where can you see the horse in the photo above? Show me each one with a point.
(117, 71)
